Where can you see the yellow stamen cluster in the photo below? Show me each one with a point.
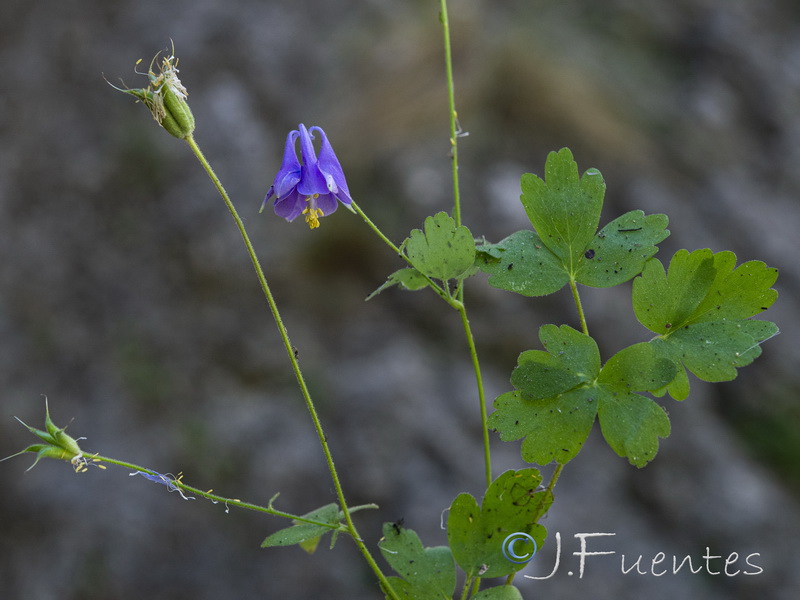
(312, 213)
(168, 77)
(80, 462)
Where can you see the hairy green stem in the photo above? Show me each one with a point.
(554, 478)
(451, 102)
(455, 132)
(458, 304)
(296, 368)
(476, 367)
(466, 589)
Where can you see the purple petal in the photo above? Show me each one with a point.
(332, 168)
(312, 180)
(167, 480)
(307, 151)
(157, 478)
(289, 174)
(290, 206)
(284, 183)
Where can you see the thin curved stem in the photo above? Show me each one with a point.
(176, 483)
(323, 440)
(443, 293)
(377, 231)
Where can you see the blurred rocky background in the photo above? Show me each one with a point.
(127, 298)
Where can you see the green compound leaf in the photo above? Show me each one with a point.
(700, 307)
(405, 279)
(554, 406)
(306, 535)
(521, 263)
(565, 211)
(620, 250)
(443, 251)
(571, 358)
(560, 392)
(500, 592)
(738, 292)
(662, 302)
(712, 351)
(563, 208)
(632, 425)
(637, 368)
(554, 429)
(476, 533)
(630, 422)
(425, 573)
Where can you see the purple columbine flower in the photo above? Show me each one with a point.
(312, 188)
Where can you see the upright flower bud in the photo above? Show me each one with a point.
(165, 97)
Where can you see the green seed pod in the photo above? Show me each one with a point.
(165, 97)
(178, 118)
(61, 440)
(58, 445)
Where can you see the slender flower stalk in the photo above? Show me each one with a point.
(323, 439)
(443, 293)
(60, 446)
(175, 483)
(313, 188)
